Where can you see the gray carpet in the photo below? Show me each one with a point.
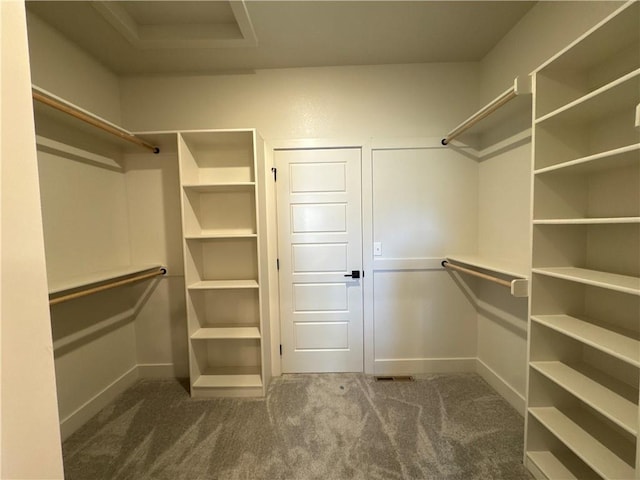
(329, 427)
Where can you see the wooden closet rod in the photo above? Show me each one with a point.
(107, 286)
(499, 281)
(91, 120)
(483, 113)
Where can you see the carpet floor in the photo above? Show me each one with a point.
(328, 426)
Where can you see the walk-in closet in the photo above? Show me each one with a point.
(309, 239)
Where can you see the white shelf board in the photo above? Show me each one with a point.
(230, 333)
(591, 451)
(612, 343)
(497, 112)
(61, 118)
(498, 266)
(216, 234)
(605, 401)
(57, 286)
(586, 221)
(223, 284)
(555, 468)
(622, 157)
(612, 281)
(622, 93)
(219, 187)
(604, 40)
(228, 381)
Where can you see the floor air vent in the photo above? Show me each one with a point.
(395, 378)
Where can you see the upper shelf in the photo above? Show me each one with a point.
(506, 105)
(600, 43)
(498, 266)
(518, 284)
(619, 94)
(65, 112)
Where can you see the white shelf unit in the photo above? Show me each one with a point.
(584, 340)
(222, 251)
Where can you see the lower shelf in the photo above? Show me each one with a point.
(602, 460)
(229, 382)
(218, 333)
(553, 467)
(605, 401)
(626, 348)
(222, 284)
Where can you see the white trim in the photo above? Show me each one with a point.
(302, 143)
(395, 264)
(418, 366)
(91, 407)
(500, 385)
(533, 469)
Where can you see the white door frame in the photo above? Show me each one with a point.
(367, 239)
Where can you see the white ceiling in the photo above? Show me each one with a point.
(154, 37)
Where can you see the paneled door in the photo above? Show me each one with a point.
(320, 253)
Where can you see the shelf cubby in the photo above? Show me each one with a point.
(561, 465)
(229, 366)
(601, 56)
(624, 346)
(580, 383)
(222, 259)
(213, 158)
(583, 191)
(210, 308)
(606, 248)
(219, 211)
(610, 461)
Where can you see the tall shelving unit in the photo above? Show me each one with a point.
(584, 342)
(228, 351)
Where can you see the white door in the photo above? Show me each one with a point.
(319, 244)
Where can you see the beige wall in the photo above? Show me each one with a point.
(60, 67)
(357, 104)
(30, 434)
(545, 30)
(332, 102)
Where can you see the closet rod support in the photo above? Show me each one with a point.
(107, 286)
(77, 113)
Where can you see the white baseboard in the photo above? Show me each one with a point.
(499, 384)
(417, 366)
(83, 414)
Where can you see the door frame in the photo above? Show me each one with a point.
(367, 239)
